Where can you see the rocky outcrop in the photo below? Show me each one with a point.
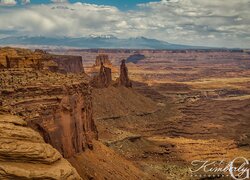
(15, 58)
(102, 59)
(26, 59)
(103, 79)
(25, 155)
(68, 64)
(124, 79)
(58, 106)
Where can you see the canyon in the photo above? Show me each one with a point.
(197, 108)
(50, 97)
(121, 114)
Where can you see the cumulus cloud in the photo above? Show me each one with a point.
(7, 2)
(13, 2)
(196, 22)
(216, 22)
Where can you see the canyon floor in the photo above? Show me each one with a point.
(184, 106)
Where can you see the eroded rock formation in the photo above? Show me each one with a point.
(102, 59)
(58, 106)
(68, 64)
(124, 79)
(25, 155)
(39, 60)
(103, 79)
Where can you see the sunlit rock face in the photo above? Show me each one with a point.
(57, 105)
(39, 60)
(25, 155)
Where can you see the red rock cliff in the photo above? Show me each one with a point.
(25, 155)
(68, 64)
(58, 106)
(39, 60)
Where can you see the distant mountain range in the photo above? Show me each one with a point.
(95, 42)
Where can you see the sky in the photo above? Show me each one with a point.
(214, 23)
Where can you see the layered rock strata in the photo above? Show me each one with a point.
(57, 105)
(39, 60)
(25, 155)
(68, 64)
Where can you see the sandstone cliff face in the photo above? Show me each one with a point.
(39, 60)
(124, 79)
(58, 106)
(25, 155)
(103, 79)
(68, 64)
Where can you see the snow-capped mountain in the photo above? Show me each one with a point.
(94, 41)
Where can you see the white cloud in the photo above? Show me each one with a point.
(196, 22)
(59, 1)
(13, 2)
(7, 2)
